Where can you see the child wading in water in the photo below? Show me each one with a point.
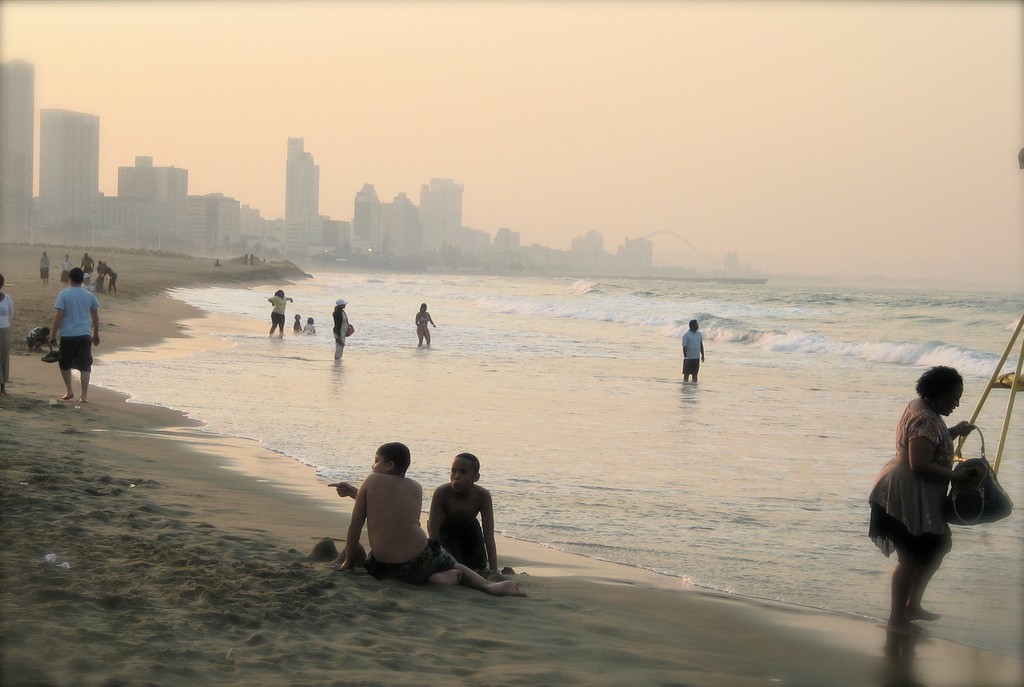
(389, 504)
(453, 511)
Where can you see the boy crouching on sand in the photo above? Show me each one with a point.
(453, 511)
(36, 338)
(389, 504)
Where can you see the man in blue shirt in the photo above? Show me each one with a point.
(76, 319)
(693, 352)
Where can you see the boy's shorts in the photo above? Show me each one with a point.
(433, 559)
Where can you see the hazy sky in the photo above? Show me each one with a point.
(848, 138)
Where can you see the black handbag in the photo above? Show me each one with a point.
(982, 499)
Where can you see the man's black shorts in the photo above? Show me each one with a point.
(76, 353)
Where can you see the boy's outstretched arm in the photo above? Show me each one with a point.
(345, 489)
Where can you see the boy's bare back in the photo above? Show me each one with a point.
(392, 509)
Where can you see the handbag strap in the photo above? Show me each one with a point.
(959, 456)
(981, 488)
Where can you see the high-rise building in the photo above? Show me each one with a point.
(69, 172)
(636, 256)
(302, 191)
(213, 222)
(17, 138)
(506, 239)
(399, 227)
(158, 196)
(440, 212)
(366, 219)
(146, 182)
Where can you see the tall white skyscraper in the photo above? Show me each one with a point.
(17, 138)
(440, 212)
(302, 191)
(69, 172)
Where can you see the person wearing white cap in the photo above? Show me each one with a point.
(340, 327)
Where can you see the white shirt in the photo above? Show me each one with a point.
(6, 312)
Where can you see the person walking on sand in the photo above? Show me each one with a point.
(73, 312)
(693, 352)
(279, 301)
(389, 504)
(87, 264)
(422, 319)
(44, 269)
(340, 327)
(6, 317)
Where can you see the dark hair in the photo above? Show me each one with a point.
(474, 461)
(937, 381)
(1, 280)
(76, 275)
(397, 453)
(693, 322)
(279, 292)
(423, 306)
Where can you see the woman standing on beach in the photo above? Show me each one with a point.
(907, 498)
(6, 315)
(340, 327)
(65, 269)
(279, 301)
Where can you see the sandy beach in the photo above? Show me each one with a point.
(137, 551)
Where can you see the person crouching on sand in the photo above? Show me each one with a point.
(389, 504)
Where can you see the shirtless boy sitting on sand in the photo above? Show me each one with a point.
(389, 504)
(453, 511)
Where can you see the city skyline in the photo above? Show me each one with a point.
(153, 209)
(838, 139)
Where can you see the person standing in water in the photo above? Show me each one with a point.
(279, 301)
(422, 319)
(340, 327)
(693, 352)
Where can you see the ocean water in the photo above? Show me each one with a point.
(753, 481)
